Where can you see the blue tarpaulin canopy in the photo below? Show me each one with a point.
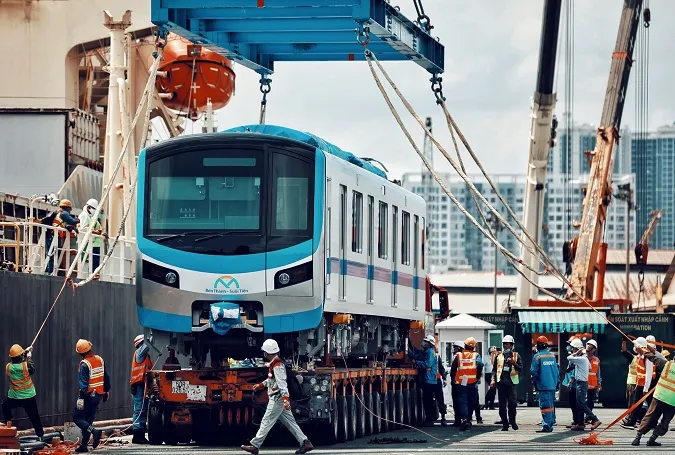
(223, 316)
(561, 321)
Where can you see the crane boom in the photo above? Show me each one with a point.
(541, 140)
(598, 193)
(642, 247)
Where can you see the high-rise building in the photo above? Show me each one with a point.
(653, 163)
(454, 243)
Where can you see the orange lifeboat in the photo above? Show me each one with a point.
(190, 75)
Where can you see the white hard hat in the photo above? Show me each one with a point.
(592, 343)
(459, 344)
(139, 339)
(430, 339)
(92, 203)
(651, 339)
(576, 343)
(508, 339)
(640, 342)
(270, 346)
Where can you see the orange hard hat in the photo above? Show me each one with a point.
(16, 350)
(83, 346)
(65, 203)
(542, 339)
(573, 337)
(470, 342)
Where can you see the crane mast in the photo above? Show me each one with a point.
(586, 246)
(542, 137)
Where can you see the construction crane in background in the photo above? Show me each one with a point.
(428, 183)
(542, 139)
(642, 247)
(588, 252)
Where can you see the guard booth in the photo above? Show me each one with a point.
(459, 328)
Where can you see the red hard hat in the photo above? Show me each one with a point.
(542, 339)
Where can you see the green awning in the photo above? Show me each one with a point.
(570, 321)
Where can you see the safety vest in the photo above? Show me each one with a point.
(96, 368)
(515, 378)
(593, 373)
(632, 372)
(87, 222)
(665, 388)
(58, 222)
(641, 370)
(467, 367)
(138, 369)
(20, 383)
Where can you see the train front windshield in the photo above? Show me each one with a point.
(228, 201)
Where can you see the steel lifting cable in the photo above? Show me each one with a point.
(144, 98)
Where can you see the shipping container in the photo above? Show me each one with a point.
(39, 147)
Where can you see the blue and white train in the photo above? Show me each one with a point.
(276, 233)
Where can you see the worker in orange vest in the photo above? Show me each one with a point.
(466, 368)
(594, 375)
(140, 365)
(63, 220)
(640, 344)
(94, 387)
(21, 392)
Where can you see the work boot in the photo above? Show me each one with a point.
(82, 448)
(139, 437)
(595, 425)
(479, 421)
(505, 428)
(464, 425)
(250, 449)
(96, 437)
(444, 423)
(636, 441)
(514, 425)
(652, 442)
(306, 447)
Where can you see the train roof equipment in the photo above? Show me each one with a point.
(258, 33)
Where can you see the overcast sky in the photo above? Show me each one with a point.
(491, 53)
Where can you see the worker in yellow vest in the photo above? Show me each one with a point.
(506, 377)
(631, 377)
(21, 392)
(663, 403)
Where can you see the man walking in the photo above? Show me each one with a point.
(581, 370)
(279, 405)
(544, 372)
(140, 365)
(21, 392)
(663, 403)
(94, 387)
(427, 361)
(506, 377)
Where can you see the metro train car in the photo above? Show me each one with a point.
(263, 231)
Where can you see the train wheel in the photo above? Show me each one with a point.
(421, 415)
(406, 406)
(413, 406)
(392, 411)
(342, 418)
(377, 410)
(361, 412)
(384, 412)
(399, 407)
(155, 425)
(367, 416)
(351, 417)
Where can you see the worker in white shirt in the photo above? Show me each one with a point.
(581, 369)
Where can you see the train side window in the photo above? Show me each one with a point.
(382, 230)
(357, 222)
(405, 238)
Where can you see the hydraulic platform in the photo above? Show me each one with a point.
(258, 33)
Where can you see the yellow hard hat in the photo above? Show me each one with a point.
(16, 350)
(470, 342)
(665, 352)
(83, 346)
(66, 203)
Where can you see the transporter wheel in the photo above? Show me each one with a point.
(361, 412)
(343, 415)
(398, 396)
(170, 430)
(384, 413)
(377, 410)
(329, 432)
(421, 415)
(406, 406)
(367, 416)
(351, 417)
(155, 425)
(412, 393)
(202, 428)
(392, 411)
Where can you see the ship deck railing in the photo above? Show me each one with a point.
(27, 246)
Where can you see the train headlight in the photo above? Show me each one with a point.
(294, 275)
(170, 278)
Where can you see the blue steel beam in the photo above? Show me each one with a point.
(255, 33)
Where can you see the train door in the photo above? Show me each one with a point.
(343, 243)
(394, 256)
(371, 232)
(327, 238)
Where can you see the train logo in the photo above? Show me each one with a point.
(226, 284)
